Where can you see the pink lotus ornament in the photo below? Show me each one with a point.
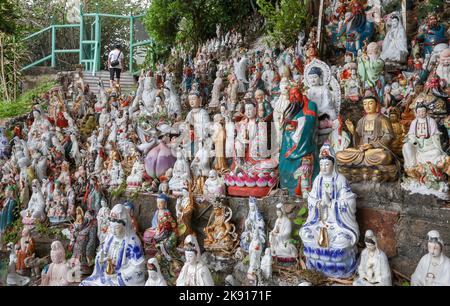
(240, 182)
(229, 179)
(250, 180)
(263, 180)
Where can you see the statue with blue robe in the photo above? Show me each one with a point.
(121, 260)
(298, 147)
(7, 210)
(330, 232)
(431, 35)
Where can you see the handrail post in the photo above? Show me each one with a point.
(53, 43)
(81, 33)
(131, 42)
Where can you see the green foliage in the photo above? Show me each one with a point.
(246, 260)
(286, 20)
(430, 6)
(392, 6)
(188, 23)
(119, 191)
(406, 284)
(301, 216)
(12, 233)
(8, 16)
(25, 101)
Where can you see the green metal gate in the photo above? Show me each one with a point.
(89, 48)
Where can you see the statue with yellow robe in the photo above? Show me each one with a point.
(372, 140)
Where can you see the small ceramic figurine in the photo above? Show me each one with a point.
(221, 237)
(371, 67)
(373, 269)
(424, 158)
(214, 186)
(330, 232)
(218, 137)
(56, 274)
(84, 242)
(155, 277)
(181, 174)
(184, 210)
(395, 44)
(198, 119)
(194, 272)
(443, 69)
(299, 142)
(163, 232)
(283, 251)
(14, 279)
(102, 221)
(6, 211)
(255, 250)
(318, 78)
(120, 261)
(266, 264)
(24, 248)
(254, 220)
(433, 268)
(36, 206)
(135, 179)
(431, 34)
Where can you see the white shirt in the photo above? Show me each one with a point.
(114, 55)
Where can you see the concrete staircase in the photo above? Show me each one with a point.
(126, 81)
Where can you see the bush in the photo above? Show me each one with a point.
(24, 102)
(189, 23)
(285, 20)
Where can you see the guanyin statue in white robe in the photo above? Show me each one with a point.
(395, 48)
(120, 260)
(331, 232)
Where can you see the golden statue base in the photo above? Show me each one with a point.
(376, 174)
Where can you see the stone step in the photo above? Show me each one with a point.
(126, 80)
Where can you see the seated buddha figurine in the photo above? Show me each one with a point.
(120, 260)
(331, 232)
(372, 141)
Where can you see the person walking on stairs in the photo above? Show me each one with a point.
(115, 65)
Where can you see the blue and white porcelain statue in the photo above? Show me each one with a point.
(331, 232)
(120, 261)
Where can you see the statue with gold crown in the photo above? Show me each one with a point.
(371, 157)
(331, 232)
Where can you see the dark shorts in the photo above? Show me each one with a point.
(114, 71)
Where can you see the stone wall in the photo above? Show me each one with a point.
(400, 220)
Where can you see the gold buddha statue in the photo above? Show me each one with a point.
(399, 131)
(372, 138)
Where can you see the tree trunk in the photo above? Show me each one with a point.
(2, 68)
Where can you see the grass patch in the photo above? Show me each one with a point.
(24, 103)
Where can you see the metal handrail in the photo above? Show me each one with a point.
(94, 63)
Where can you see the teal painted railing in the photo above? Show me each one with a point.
(91, 59)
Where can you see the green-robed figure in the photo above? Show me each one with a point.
(298, 155)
